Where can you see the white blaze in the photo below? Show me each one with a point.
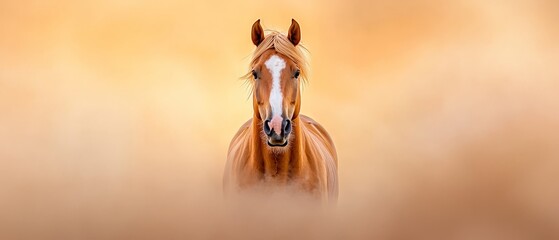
(275, 65)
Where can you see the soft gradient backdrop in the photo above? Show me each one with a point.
(115, 118)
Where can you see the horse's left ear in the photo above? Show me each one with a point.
(294, 34)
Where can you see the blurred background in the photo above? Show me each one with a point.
(115, 118)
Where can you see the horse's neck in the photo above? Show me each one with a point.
(277, 163)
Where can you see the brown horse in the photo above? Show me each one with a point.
(278, 146)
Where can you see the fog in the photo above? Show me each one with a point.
(115, 118)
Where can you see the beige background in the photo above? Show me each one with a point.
(115, 117)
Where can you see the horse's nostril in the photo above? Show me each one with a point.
(287, 126)
(267, 129)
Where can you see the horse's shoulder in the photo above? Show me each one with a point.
(241, 134)
(244, 128)
(246, 125)
(237, 152)
(319, 140)
(315, 127)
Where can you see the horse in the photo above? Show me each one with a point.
(278, 146)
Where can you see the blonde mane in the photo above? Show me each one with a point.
(279, 42)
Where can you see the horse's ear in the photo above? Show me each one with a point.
(257, 33)
(294, 34)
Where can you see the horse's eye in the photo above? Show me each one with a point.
(296, 75)
(254, 74)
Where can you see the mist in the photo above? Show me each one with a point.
(115, 118)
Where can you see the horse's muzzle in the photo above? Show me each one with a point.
(277, 137)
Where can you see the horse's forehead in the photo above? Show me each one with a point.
(274, 56)
(275, 63)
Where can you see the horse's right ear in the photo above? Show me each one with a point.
(257, 33)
